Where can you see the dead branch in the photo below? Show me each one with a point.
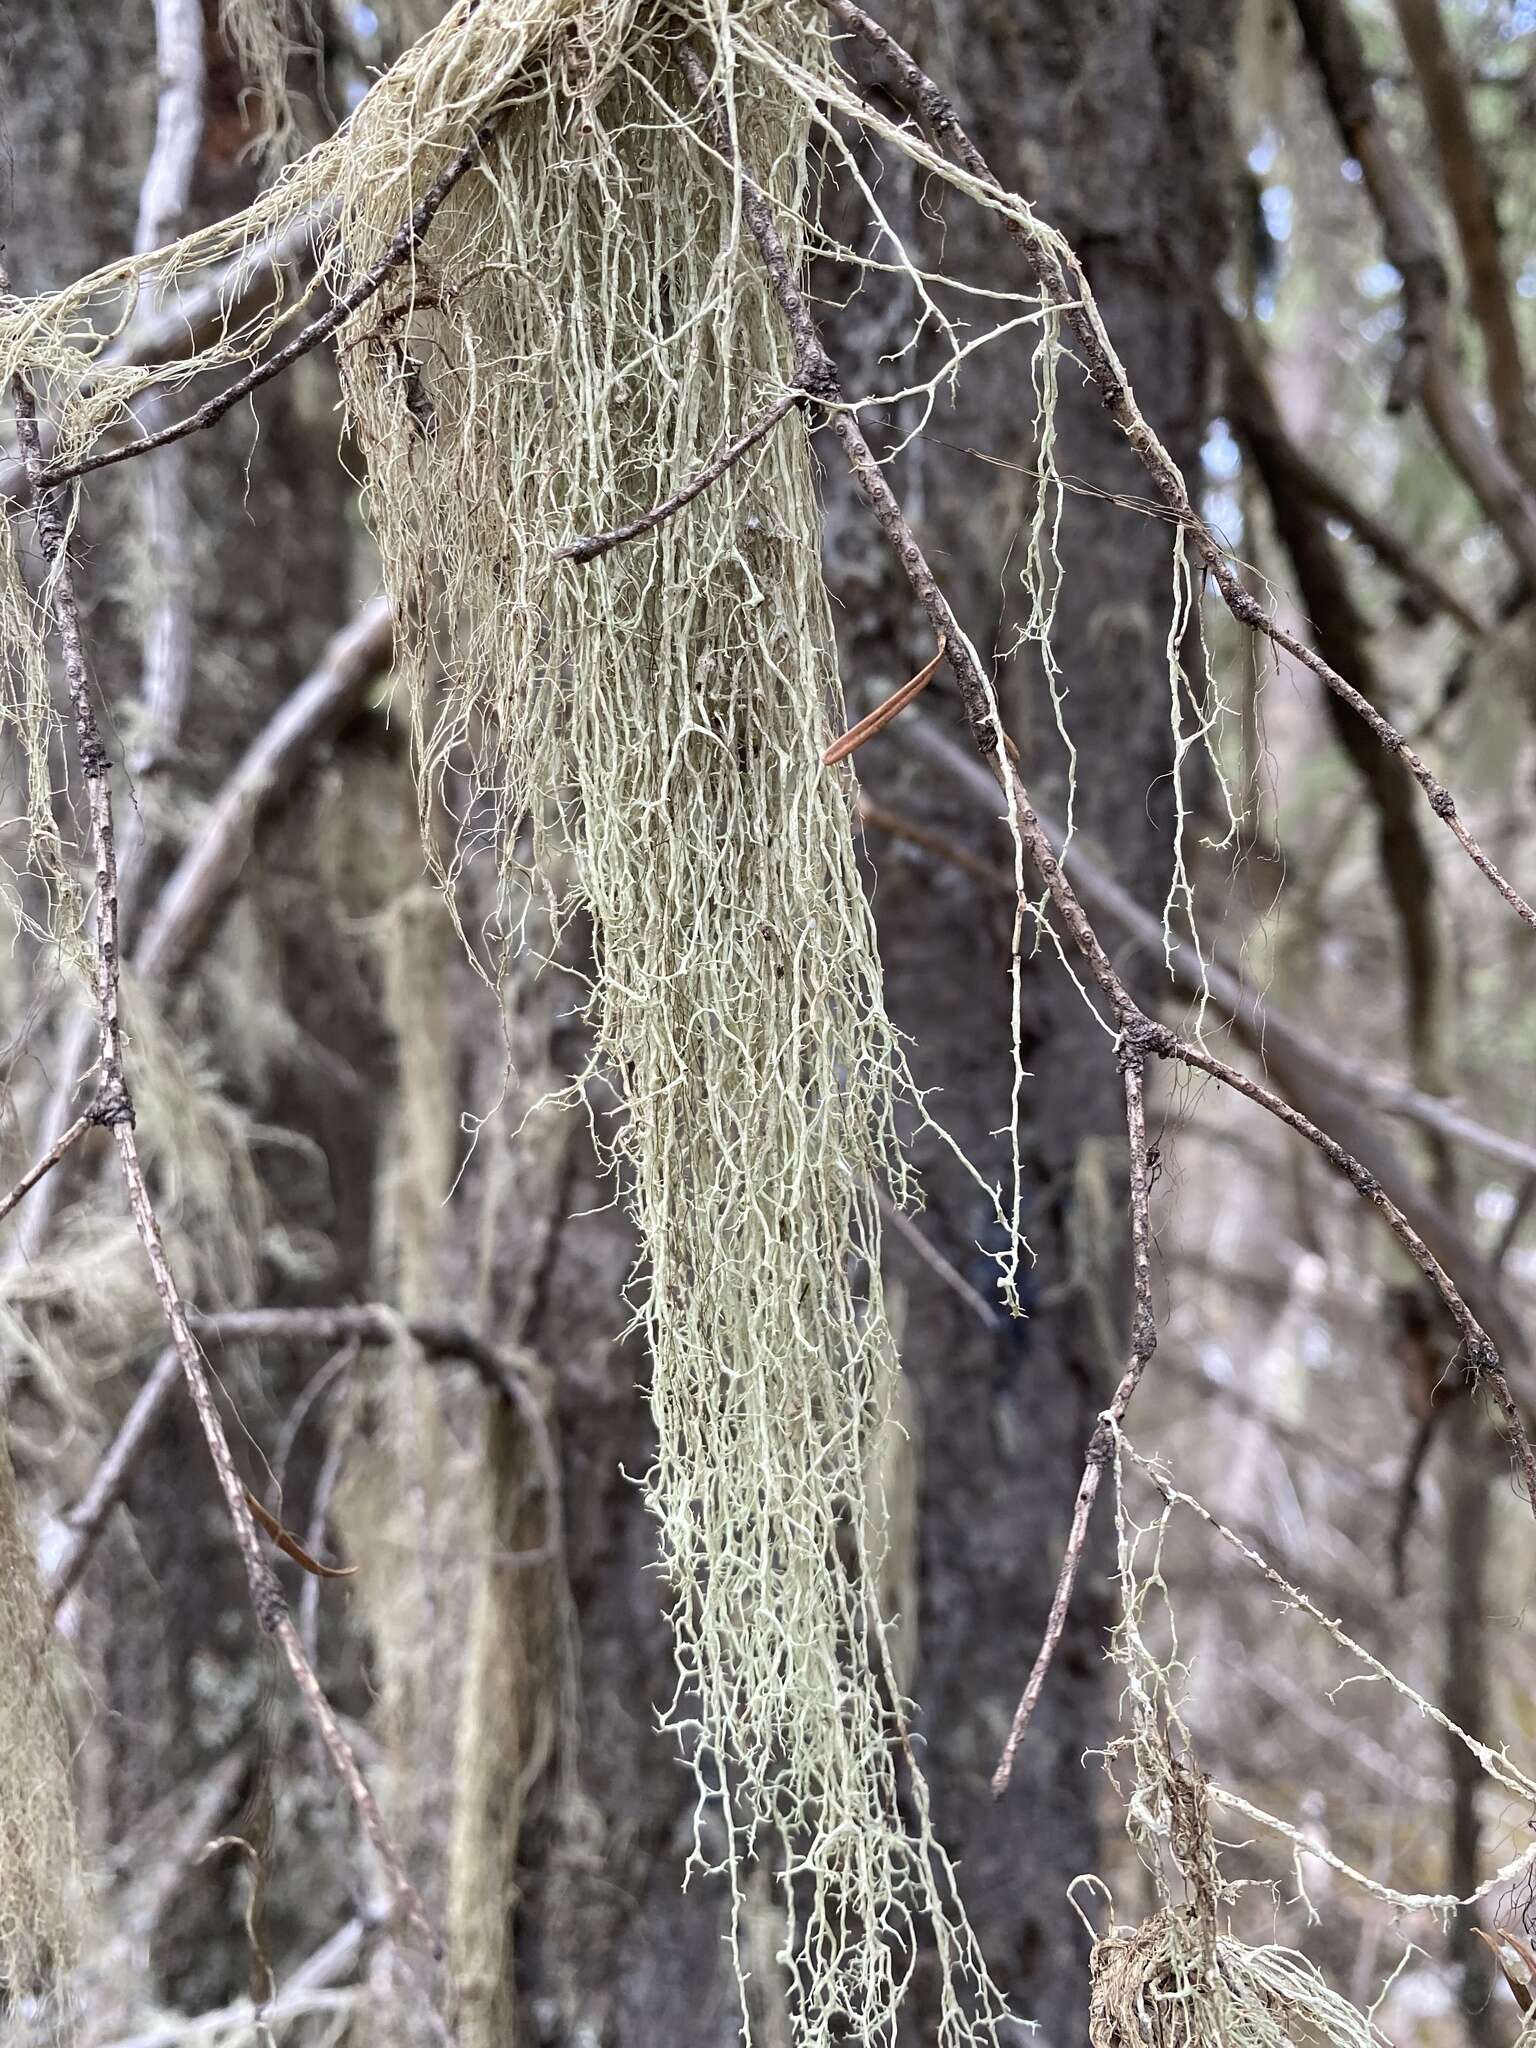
(1427, 368)
(1470, 192)
(1071, 298)
(45, 1165)
(406, 240)
(212, 864)
(117, 1110)
(1101, 1446)
(106, 1488)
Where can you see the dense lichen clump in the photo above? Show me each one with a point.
(586, 327)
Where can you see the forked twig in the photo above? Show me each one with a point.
(882, 714)
(930, 104)
(1101, 1447)
(114, 1108)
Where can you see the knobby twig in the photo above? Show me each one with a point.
(596, 544)
(407, 238)
(881, 716)
(1101, 1448)
(116, 1111)
(1072, 301)
(1140, 1036)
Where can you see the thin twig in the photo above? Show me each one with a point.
(116, 1111)
(45, 1165)
(199, 885)
(945, 1269)
(596, 544)
(876, 720)
(106, 1488)
(1072, 300)
(1101, 1448)
(407, 238)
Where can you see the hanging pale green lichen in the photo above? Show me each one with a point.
(597, 328)
(40, 1900)
(586, 328)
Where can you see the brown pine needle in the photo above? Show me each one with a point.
(882, 714)
(290, 1545)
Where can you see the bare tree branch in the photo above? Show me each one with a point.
(1470, 192)
(1071, 298)
(117, 1110)
(403, 245)
(1101, 1446)
(45, 1165)
(1427, 368)
(315, 711)
(111, 1476)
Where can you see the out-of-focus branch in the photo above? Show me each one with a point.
(1470, 192)
(1427, 589)
(1330, 1091)
(306, 1992)
(1407, 873)
(116, 1109)
(111, 1476)
(164, 501)
(315, 712)
(1426, 370)
(208, 870)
